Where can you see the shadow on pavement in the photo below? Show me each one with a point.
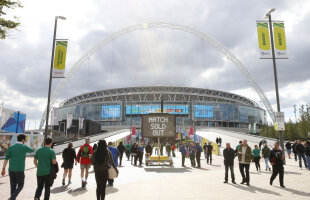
(167, 170)
(110, 190)
(254, 189)
(77, 191)
(301, 193)
(59, 189)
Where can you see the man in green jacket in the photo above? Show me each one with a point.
(245, 158)
(16, 154)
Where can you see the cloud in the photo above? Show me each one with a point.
(152, 56)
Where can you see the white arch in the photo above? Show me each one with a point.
(192, 31)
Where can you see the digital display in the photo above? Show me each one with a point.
(203, 111)
(112, 111)
(159, 125)
(147, 109)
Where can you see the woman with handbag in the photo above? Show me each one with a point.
(103, 162)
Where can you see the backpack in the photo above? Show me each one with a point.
(85, 152)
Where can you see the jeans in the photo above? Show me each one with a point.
(16, 179)
(209, 156)
(308, 161)
(257, 164)
(173, 153)
(246, 176)
(192, 158)
(275, 171)
(128, 154)
(169, 153)
(302, 156)
(183, 159)
(231, 167)
(198, 155)
(295, 156)
(43, 181)
(266, 163)
(101, 180)
(120, 158)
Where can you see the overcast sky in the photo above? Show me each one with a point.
(153, 56)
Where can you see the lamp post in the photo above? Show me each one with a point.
(50, 80)
(268, 15)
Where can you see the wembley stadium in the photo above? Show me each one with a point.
(192, 106)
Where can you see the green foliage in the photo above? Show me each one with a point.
(7, 25)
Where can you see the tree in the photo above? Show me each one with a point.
(5, 24)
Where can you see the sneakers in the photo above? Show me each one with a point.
(225, 182)
(242, 182)
(282, 186)
(234, 182)
(63, 182)
(84, 183)
(69, 182)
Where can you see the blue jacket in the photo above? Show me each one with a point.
(115, 153)
(140, 150)
(198, 148)
(183, 149)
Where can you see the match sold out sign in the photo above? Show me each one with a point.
(158, 125)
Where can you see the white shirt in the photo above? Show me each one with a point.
(243, 150)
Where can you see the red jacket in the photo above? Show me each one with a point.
(84, 153)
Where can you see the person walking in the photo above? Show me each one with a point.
(276, 159)
(220, 141)
(217, 140)
(168, 149)
(83, 157)
(245, 157)
(43, 160)
(198, 150)
(294, 150)
(205, 150)
(288, 147)
(209, 153)
(140, 154)
(16, 155)
(148, 149)
(300, 150)
(115, 154)
(192, 155)
(256, 155)
(229, 157)
(95, 147)
(128, 151)
(173, 148)
(265, 155)
(183, 153)
(308, 153)
(237, 147)
(68, 156)
(121, 148)
(101, 160)
(133, 152)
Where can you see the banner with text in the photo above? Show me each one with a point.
(279, 40)
(59, 64)
(159, 125)
(263, 39)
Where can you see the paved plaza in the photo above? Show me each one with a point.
(163, 182)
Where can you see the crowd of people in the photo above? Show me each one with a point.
(106, 158)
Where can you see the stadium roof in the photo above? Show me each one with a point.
(154, 93)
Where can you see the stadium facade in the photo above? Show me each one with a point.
(192, 106)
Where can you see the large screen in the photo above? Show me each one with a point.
(111, 111)
(159, 125)
(203, 111)
(147, 109)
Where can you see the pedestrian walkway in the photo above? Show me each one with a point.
(164, 182)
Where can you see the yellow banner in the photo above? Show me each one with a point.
(279, 40)
(60, 59)
(263, 39)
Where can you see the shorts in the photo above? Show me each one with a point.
(289, 151)
(85, 166)
(68, 165)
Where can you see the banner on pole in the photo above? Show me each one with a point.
(69, 120)
(59, 64)
(81, 123)
(279, 40)
(263, 39)
(54, 117)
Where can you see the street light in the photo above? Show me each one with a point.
(51, 71)
(268, 15)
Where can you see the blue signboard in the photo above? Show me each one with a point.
(203, 111)
(146, 109)
(112, 111)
